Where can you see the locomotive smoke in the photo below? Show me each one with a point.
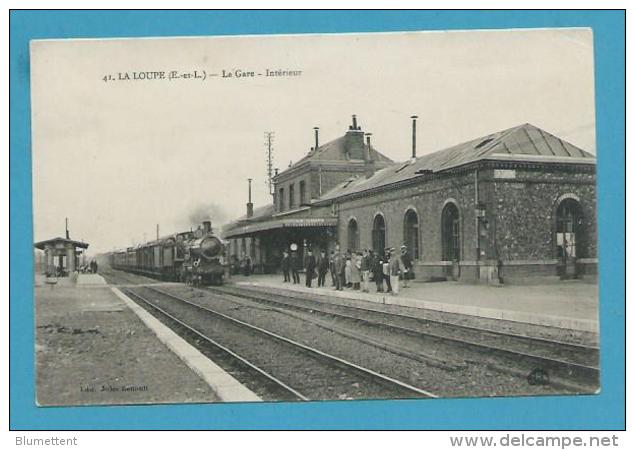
(209, 211)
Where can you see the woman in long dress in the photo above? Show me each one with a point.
(356, 275)
(347, 270)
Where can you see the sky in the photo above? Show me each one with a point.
(118, 157)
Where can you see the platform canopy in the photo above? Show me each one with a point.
(60, 255)
(281, 223)
(59, 242)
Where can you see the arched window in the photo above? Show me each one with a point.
(451, 233)
(379, 234)
(569, 232)
(411, 233)
(353, 235)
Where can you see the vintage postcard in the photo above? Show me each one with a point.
(315, 217)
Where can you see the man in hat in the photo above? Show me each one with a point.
(386, 270)
(286, 266)
(406, 262)
(366, 263)
(322, 267)
(378, 271)
(395, 267)
(310, 267)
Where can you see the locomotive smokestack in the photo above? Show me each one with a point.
(317, 141)
(355, 122)
(250, 205)
(414, 136)
(207, 226)
(67, 234)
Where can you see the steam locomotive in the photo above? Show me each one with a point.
(196, 257)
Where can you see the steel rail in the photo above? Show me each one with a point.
(504, 334)
(221, 347)
(585, 371)
(383, 379)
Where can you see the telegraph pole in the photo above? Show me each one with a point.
(269, 136)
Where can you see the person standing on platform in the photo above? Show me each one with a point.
(310, 267)
(322, 267)
(386, 269)
(356, 277)
(340, 266)
(395, 267)
(406, 262)
(332, 269)
(378, 272)
(347, 270)
(247, 265)
(286, 266)
(295, 267)
(365, 269)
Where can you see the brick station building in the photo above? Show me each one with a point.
(515, 204)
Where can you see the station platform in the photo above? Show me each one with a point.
(92, 349)
(75, 279)
(564, 304)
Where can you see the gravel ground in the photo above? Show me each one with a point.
(561, 334)
(313, 377)
(473, 378)
(91, 349)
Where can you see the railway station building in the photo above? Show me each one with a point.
(510, 206)
(293, 217)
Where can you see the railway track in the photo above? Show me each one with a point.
(281, 367)
(567, 363)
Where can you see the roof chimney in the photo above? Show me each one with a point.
(369, 164)
(276, 170)
(317, 141)
(250, 206)
(414, 136)
(67, 234)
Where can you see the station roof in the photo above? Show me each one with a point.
(260, 213)
(249, 227)
(59, 240)
(265, 218)
(522, 143)
(335, 150)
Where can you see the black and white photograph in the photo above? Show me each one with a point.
(310, 217)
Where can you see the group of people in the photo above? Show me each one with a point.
(244, 265)
(91, 267)
(353, 270)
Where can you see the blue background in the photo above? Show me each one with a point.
(603, 411)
